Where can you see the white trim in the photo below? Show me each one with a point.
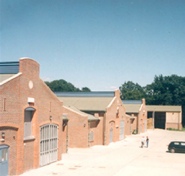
(111, 102)
(80, 113)
(140, 107)
(9, 79)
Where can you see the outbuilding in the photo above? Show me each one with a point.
(136, 109)
(109, 122)
(164, 116)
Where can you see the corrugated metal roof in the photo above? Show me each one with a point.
(163, 108)
(86, 94)
(9, 67)
(132, 101)
(87, 103)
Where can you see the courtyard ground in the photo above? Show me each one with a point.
(123, 158)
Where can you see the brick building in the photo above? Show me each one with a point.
(136, 109)
(164, 116)
(108, 122)
(82, 129)
(30, 119)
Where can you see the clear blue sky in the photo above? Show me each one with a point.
(99, 44)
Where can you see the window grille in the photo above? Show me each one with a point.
(48, 144)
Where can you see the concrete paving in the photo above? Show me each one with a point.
(123, 158)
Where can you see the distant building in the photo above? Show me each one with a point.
(164, 117)
(104, 118)
(136, 109)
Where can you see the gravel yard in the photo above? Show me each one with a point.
(123, 158)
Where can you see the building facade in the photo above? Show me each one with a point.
(136, 109)
(30, 119)
(164, 117)
(109, 122)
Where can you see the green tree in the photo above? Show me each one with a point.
(85, 89)
(131, 91)
(166, 90)
(62, 86)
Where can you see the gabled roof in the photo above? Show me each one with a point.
(87, 101)
(4, 77)
(132, 106)
(163, 108)
(89, 116)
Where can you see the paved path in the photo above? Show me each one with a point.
(123, 158)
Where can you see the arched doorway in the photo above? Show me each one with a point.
(48, 144)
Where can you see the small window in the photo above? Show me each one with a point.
(183, 143)
(176, 143)
(4, 155)
(28, 116)
(91, 136)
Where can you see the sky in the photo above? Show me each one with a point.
(99, 44)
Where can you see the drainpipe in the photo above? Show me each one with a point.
(67, 137)
(153, 116)
(104, 128)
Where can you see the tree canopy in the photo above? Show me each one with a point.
(164, 90)
(131, 91)
(64, 86)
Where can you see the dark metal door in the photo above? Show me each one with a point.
(4, 160)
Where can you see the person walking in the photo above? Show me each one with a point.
(142, 141)
(147, 141)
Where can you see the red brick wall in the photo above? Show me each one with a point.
(13, 101)
(77, 129)
(10, 140)
(96, 127)
(134, 123)
(142, 118)
(114, 114)
(64, 138)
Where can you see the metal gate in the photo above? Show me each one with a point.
(121, 135)
(48, 144)
(4, 160)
